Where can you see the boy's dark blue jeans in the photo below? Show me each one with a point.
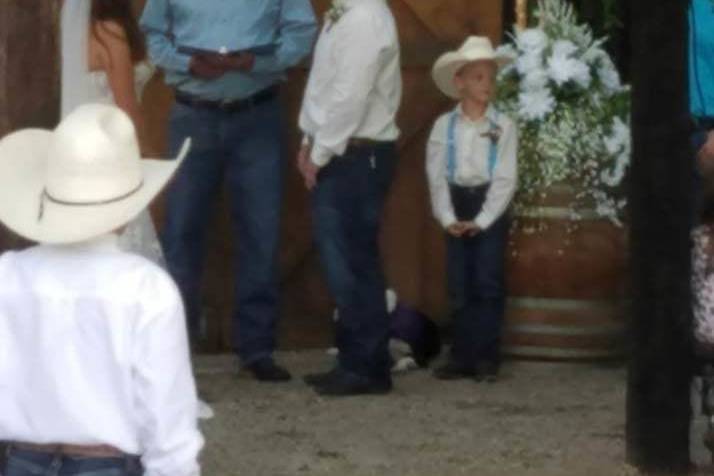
(347, 206)
(476, 283)
(243, 151)
(22, 462)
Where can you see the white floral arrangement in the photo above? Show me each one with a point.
(565, 94)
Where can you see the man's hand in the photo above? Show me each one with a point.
(705, 157)
(307, 168)
(243, 61)
(309, 173)
(205, 67)
(238, 61)
(303, 157)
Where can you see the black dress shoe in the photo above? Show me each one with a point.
(345, 384)
(454, 371)
(266, 370)
(320, 378)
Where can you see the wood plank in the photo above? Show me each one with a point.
(29, 73)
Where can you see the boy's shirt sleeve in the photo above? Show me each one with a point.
(436, 151)
(166, 399)
(505, 176)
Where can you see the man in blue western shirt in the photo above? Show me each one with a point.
(224, 58)
(701, 81)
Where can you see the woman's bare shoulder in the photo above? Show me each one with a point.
(110, 30)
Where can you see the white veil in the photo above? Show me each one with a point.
(76, 81)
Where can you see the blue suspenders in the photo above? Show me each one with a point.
(451, 149)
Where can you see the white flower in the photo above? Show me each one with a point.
(564, 48)
(535, 79)
(619, 138)
(532, 40)
(594, 54)
(536, 104)
(617, 144)
(527, 63)
(563, 68)
(608, 75)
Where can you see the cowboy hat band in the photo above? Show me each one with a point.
(47, 196)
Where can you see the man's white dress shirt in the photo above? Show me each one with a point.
(355, 83)
(93, 350)
(472, 164)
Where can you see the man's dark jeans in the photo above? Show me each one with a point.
(244, 150)
(347, 209)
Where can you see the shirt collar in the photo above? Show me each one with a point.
(490, 114)
(106, 242)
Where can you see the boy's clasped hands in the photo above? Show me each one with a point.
(462, 229)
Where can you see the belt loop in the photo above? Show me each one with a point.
(132, 465)
(56, 464)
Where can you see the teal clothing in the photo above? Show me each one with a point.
(701, 58)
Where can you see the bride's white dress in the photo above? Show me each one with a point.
(140, 235)
(81, 86)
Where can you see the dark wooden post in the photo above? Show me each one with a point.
(658, 407)
(28, 71)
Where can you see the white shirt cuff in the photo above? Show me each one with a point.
(483, 220)
(447, 219)
(320, 155)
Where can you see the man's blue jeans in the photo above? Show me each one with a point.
(34, 463)
(347, 209)
(244, 150)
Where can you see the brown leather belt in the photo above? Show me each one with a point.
(362, 142)
(233, 105)
(82, 451)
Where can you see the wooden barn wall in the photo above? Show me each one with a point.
(412, 243)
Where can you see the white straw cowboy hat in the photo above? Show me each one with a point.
(475, 48)
(84, 179)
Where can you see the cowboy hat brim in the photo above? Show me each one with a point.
(25, 210)
(450, 63)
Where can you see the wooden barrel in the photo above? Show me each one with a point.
(567, 284)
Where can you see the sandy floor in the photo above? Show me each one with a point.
(540, 419)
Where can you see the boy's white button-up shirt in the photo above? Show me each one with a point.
(472, 164)
(93, 350)
(355, 83)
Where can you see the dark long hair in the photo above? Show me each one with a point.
(120, 11)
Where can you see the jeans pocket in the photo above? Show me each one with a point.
(19, 465)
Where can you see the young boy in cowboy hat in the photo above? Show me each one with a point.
(471, 167)
(95, 374)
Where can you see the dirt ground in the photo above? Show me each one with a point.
(540, 419)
